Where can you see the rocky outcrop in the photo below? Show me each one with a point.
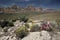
(9, 35)
(43, 35)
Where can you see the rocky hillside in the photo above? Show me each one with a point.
(20, 32)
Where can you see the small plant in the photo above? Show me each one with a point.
(14, 20)
(21, 32)
(58, 23)
(27, 25)
(4, 23)
(24, 18)
(10, 24)
(35, 28)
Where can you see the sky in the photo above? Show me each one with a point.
(55, 4)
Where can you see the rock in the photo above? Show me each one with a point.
(8, 38)
(56, 36)
(10, 34)
(43, 35)
(32, 36)
(1, 33)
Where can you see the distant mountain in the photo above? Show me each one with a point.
(18, 9)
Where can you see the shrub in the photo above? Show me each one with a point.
(10, 24)
(4, 23)
(35, 28)
(58, 23)
(21, 32)
(24, 18)
(54, 26)
(27, 25)
(14, 20)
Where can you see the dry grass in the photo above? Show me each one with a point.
(47, 16)
(33, 15)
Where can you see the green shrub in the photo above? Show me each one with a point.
(35, 28)
(6, 23)
(10, 24)
(21, 32)
(14, 20)
(24, 18)
(53, 26)
(27, 25)
(58, 22)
